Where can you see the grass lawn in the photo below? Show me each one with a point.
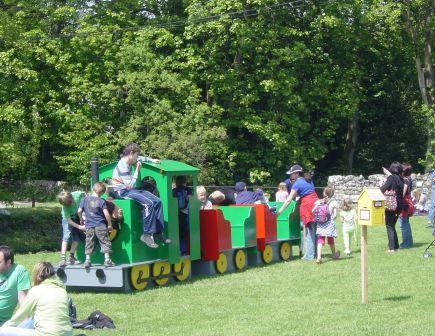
(289, 298)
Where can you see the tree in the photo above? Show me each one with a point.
(420, 21)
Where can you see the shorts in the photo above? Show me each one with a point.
(71, 233)
(321, 240)
(102, 235)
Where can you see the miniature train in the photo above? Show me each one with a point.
(223, 239)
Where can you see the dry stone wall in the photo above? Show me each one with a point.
(349, 187)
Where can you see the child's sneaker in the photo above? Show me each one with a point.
(87, 264)
(71, 260)
(160, 238)
(148, 240)
(108, 263)
(62, 262)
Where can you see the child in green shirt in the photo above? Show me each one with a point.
(71, 228)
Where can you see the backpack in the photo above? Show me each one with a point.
(390, 200)
(321, 213)
(96, 320)
(182, 195)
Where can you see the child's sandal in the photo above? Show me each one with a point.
(336, 255)
(319, 261)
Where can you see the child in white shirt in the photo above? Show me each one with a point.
(348, 219)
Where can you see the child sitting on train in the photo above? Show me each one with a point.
(124, 186)
(282, 193)
(223, 196)
(244, 196)
(202, 197)
(97, 215)
(182, 192)
(71, 229)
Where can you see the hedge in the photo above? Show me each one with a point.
(31, 229)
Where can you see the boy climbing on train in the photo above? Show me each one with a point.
(96, 216)
(71, 229)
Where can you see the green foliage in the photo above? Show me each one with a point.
(243, 94)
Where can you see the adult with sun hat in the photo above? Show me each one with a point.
(303, 188)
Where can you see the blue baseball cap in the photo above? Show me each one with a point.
(240, 186)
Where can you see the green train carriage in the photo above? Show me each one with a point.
(138, 266)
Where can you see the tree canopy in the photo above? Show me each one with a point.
(240, 88)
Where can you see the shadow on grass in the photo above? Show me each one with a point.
(415, 245)
(398, 298)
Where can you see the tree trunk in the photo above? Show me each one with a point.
(428, 73)
(351, 142)
(420, 29)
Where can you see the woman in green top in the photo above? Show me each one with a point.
(47, 303)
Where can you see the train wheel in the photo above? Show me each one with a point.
(139, 276)
(284, 251)
(113, 234)
(183, 267)
(240, 259)
(161, 268)
(267, 254)
(221, 263)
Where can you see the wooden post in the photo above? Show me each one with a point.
(364, 266)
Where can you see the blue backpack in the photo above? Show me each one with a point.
(182, 195)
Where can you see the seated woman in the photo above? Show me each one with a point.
(419, 200)
(46, 303)
(124, 185)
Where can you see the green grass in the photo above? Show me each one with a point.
(30, 229)
(291, 298)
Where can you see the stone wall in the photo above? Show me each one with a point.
(350, 186)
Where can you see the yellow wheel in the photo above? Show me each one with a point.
(112, 234)
(183, 267)
(139, 276)
(161, 268)
(240, 259)
(284, 251)
(221, 263)
(267, 254)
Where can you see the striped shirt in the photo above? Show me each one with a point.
(122, 178)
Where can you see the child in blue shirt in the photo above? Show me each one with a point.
(96, 217)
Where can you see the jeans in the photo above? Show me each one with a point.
(390, 221)
(25, 328)
(405, 227)
(310, 242)
(16, 331)
(431, 214)
(152, 212)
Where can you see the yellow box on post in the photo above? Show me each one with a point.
(371, 207)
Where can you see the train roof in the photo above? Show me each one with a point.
(165, 166)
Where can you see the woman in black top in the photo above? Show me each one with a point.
(394, 182)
